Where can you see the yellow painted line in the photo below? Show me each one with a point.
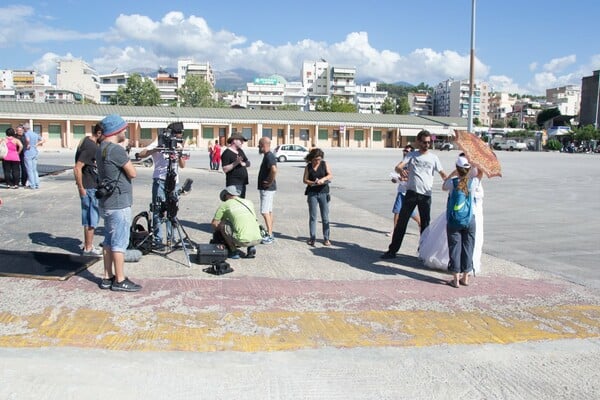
(292, 330)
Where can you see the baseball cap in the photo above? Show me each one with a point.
(231, 190)
(463, 162)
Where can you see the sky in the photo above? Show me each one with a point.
(520, 46)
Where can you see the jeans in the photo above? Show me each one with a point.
(461, 242)
(89, 209)
(412, 199)
(318, 200)
(158, 197)
(117, 226)
(32, 172)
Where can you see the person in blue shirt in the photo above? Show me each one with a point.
(32, 141)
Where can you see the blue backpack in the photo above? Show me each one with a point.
(459, 209)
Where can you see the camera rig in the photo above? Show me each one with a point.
(168, 145)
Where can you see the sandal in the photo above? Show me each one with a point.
(326, 243)
(310, 242)
(464, 281)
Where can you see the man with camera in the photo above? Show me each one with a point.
(165, 150)
(86, 180)
(115, 172)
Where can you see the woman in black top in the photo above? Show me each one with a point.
(317, 176)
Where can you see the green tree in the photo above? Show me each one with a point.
(587, 132)
(337, 104)
(196, 92)
(513, 123)
(498, 123)
(388, 106)
(138, 91)
(476, 121)
(402, 106)
(323, 104)
(546, 115)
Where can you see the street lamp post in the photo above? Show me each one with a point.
(472, 68)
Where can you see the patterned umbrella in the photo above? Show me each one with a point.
(478, 153)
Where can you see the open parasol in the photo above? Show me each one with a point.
(478, 153)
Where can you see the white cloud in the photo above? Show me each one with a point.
(560, 64)
(533, 66)
(503, 83)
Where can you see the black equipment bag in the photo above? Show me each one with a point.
(210, 254)
(140, 237)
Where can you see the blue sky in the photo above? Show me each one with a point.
(521, 46)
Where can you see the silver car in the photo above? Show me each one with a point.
(290, 152)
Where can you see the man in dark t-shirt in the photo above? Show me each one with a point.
(267, 186)
(234, 163)
(86, 180)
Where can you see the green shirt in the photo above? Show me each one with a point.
(242, 219)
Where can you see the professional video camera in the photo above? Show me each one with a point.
(167, 138)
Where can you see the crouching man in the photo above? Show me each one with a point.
(235, 223)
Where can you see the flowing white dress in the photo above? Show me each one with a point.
(433, 245)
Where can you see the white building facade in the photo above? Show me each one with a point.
(566, 98)
(79, 77)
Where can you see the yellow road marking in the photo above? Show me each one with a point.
(292, 330)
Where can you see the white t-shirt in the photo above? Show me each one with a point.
(161, 164)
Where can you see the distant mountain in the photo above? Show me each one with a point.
(402, 83)
(236, 79)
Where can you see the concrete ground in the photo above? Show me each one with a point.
(294, 323)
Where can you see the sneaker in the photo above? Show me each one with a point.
(267, 240)
(234, 255)
(125, 286)
(251, 252)
(106, 283)
(93, 252)
(387, 255)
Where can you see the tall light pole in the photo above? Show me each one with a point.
(597, 100)
(472, 69)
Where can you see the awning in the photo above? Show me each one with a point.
(152, 125)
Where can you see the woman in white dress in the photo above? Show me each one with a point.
(433, 245)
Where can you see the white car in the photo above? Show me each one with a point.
(290, 152)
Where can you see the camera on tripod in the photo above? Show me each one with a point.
(167, 138)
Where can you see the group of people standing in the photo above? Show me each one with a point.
(456, 246)
(20, 162)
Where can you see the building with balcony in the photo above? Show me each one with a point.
(451, 99)
(167, 85)
(78, 76)
(187, 67)
(590, 100)
(500, 105)
(421, 103)
(368, 99)
(110, 83)
(315, 79)
(566, 98)
(265, 93)
(342, 83)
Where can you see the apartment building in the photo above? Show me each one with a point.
(188, 66)
(451, 99)
(79, 77)
(500, 105)
(315, 78)
(167, 85)
(566, 98)
(265, 93)
(368, 99)
(421, 103)
(342, 83)
(590, 100)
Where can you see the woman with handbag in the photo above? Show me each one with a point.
(11, 163)
(317, 176)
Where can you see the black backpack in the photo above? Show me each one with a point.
(140, 237)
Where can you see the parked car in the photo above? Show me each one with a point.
(445, 146)
(511, 145)
(290, 152)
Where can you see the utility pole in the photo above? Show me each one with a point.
(472, 68)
